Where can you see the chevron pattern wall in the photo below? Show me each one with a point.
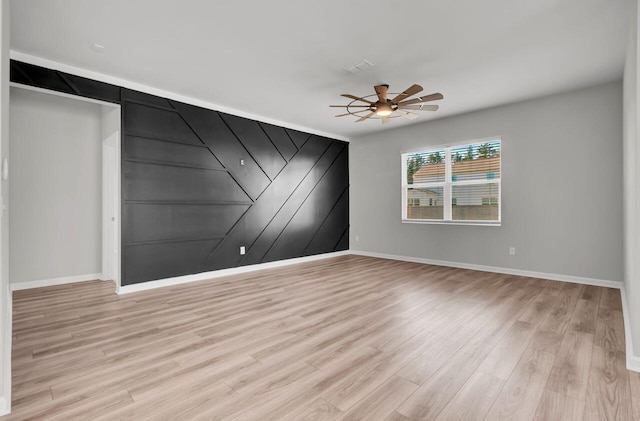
(199, 184)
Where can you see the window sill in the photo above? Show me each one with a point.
(438, 222)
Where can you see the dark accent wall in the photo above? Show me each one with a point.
(198, 184)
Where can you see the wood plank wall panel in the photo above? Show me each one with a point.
(170, 153)
(223, 143)
(257, 143)
(40, 77)
(156, 222)
(166, 183)
(164, 259)
(197, 184)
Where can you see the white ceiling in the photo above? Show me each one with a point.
(285, 59)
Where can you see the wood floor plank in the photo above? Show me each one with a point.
(635, 408)
(97, 408)
(356, 387)
(425, 365)
(557, 407)
(610, 329)
(505, 355)
(35, 398)
(560, 316)
(570, 373)
(318, 410)
(215, 370)
(634, 382)
(383, 401)
(473, 400)
(395, 416)
(547, 341)
(351, 336)
(611, 299)
(435, 393)
(521, 393)
(586, 311)
(608, 394)
(541, 306)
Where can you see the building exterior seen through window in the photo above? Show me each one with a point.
(458, 183)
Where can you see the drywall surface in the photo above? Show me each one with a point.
(631, 185)
(56, 185)
(110, 121)
(561, 187)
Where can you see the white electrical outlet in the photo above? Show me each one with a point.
(242, 162)
(242, 250)
(512, 251)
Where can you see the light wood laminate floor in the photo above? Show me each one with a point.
(343, 338)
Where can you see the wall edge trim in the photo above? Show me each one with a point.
(55, 281)
(177, 280)
(633, 360)
(4, 408)
(102, 77)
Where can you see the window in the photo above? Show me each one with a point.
(453, 184)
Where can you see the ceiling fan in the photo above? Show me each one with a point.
(386, 108)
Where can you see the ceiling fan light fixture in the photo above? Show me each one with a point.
(384, 110)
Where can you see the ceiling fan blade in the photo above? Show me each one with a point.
(365, 117)
(357, 98)
(407, 114)
(385, 120)
(426, 98)
(412, 90)
(353, 113)
(381, 90)
(350, 106)
(423, 107)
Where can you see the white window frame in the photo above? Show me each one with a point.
(448, 184)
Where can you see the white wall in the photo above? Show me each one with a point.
(561, 187)
(632, 191)
(56, 186)
(5, 293)
(110, 121)
(110, 193)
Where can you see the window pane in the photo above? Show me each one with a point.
(425, 203)
(480, 161)
(425, 167)
(475, 202)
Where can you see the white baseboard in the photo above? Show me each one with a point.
(633, 362)
(4, 408)
(143, 286)
(55, 281)
(496, 269)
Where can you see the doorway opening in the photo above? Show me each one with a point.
(64, 189)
